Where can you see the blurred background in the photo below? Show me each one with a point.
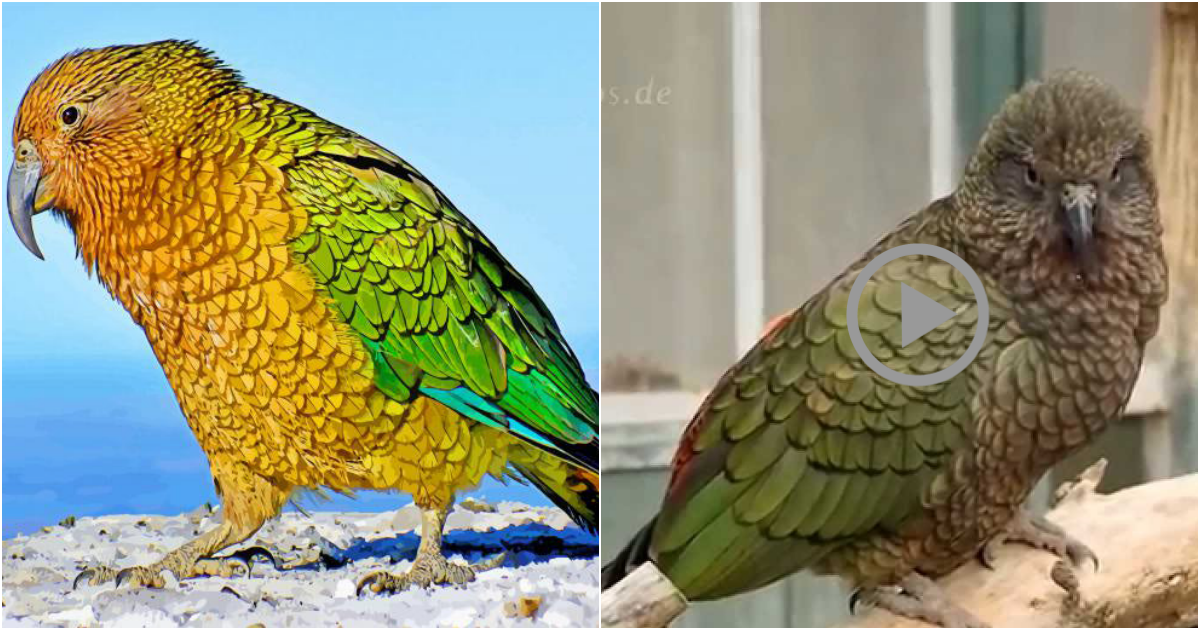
(504, 94)
(750, 152)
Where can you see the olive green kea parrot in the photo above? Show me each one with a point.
(325, 316)
(803, 458)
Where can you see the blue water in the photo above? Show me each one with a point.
(105, 436)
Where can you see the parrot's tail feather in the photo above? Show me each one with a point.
(631, 557)
(578, 494)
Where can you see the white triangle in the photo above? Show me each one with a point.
(919, 314)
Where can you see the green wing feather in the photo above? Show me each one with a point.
(441, 311)
(801, 448)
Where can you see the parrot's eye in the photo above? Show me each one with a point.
(70, 116)
(1032, 178)
(1125, 174)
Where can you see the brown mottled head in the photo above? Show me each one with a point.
(90, 124)
(1061, 178)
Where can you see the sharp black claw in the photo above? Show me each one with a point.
(854, 601)
(1079, 558)
(365, 582)
(84, 575)
(121, 575)
(249, 554)
(987, 560)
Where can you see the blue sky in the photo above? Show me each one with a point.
(495, 103)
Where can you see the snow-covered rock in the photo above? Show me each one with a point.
(547, 557)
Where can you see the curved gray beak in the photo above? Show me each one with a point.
(23, 179)
(1078, 202)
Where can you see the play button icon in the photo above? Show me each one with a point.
(918, 315)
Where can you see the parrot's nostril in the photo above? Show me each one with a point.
(25, 151)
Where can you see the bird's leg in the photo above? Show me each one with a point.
(190, 560)
(430, 566)
(249, 500)
(1040, 533)
(918, 597)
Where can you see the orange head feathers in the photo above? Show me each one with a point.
(93, 122)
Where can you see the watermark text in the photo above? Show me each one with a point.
(648, 94)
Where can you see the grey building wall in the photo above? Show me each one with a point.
(666, 254)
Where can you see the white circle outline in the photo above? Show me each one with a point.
(981, 325)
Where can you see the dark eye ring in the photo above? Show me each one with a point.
(1116, 172)
(1031, 176)
(70, 115)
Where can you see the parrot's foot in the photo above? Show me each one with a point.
(920, 598)
(429, 569)
(151, 576)
(1040, 533)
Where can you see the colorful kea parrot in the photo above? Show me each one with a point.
(326, 317)
(804, 458)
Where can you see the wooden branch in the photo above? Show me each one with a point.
(1145, 537)
(644, 599)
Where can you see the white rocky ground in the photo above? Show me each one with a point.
(551, 564)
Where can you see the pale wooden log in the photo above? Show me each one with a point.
(644, 599)
(1145, 537)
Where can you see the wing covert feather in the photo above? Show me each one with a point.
(801, 446)
(441, 311)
